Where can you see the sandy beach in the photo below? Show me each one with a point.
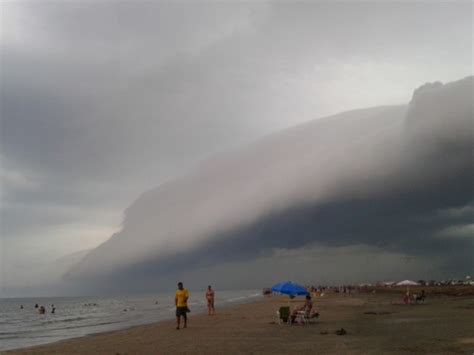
(374, 323)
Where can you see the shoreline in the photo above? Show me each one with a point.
(200, 311)
(171, 322)
(374, 325)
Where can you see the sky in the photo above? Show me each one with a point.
(102, 101)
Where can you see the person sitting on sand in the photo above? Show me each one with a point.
(421, 298)
(210, 300)
(181, 302)
(306, 307)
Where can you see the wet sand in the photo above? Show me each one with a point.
(444, 325)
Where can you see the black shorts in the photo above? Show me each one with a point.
(181, 311)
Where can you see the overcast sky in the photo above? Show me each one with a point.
(101, 101)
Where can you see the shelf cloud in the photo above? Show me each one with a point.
(377, 177)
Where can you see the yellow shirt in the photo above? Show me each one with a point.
(181, 297)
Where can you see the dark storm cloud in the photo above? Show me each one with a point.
(103, 100)
(378, 177)
(115, 86)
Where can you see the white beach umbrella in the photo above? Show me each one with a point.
(407, 283)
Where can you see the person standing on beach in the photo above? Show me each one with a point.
(210, 300)
(181, 302)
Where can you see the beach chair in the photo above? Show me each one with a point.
(305, 317)
(302, 317)
(284, 315)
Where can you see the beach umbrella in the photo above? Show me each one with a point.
(407, 283)
(289, 288)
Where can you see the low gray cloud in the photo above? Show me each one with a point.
(376, 177)
(101, 101)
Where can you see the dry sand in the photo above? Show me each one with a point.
(444, 325)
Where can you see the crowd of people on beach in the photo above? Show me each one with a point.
(305, 311)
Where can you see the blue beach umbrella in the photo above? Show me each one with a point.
(289, 288)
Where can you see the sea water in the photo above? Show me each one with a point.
(79, 316)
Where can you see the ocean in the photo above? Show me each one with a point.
(80, 316)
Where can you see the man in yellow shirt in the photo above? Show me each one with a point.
(181, 302)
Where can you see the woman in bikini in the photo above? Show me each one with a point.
(210, 300)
